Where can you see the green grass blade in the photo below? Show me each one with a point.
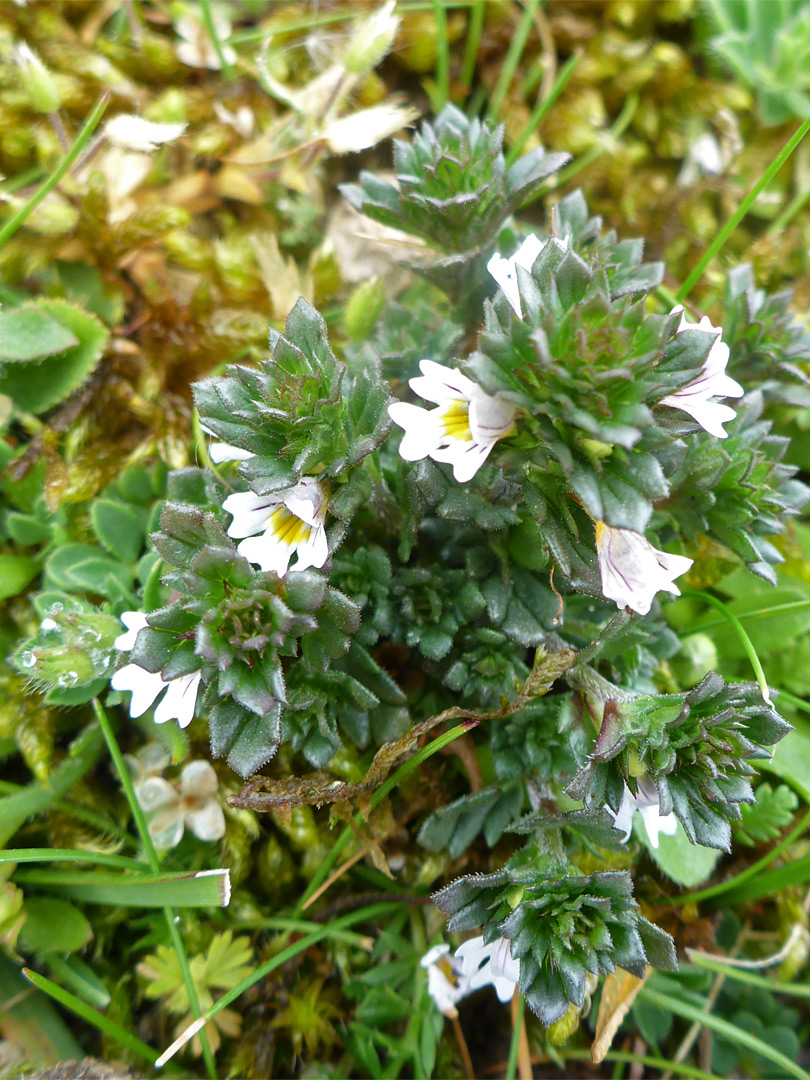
(770, 882)
(736, 1035)
(796, 702)
(514, 1045)
(800, 990)
(473, 43)
(745, 875)
(542, 107)
(737, 627)
(442, 56)
(92, 1016)
(81, 140)
(205, 888)
(743, 208)
(369, 913)
(513, 55)
(15, 809)
(100, 858)
(151, 854)
(39, 1030)
(757, 614)
(76, 976)
(678, 1068)
(413, 763)
(210, 26)
(616, 130)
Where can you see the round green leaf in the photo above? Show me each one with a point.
(53, 926)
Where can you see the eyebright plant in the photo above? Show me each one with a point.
(351, 563)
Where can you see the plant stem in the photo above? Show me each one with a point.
(373, 911)
(472, 43)
(743, 208)
(151, 854)
(542, 107)
(738, 629)
(86, 130)
(379, 794)
(83, 753)
(442, 56)
(100, 858)
(514, 1046)
(749, 872)
(92, 1016)
(513, 55)
(210, 26)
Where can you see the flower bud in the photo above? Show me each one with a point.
(371, 40)
(37, 81)
(363, 308)
(561, 1030)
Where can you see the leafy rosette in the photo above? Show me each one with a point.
(695, 749)
(452, 182)
(769, 344)
(454, 190)
(738, 492)
(240, 628)
(562, 927)
(587, 368)
(302, 412)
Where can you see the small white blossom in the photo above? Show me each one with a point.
(363, 129)
(197, 49)
(290, 523)
(195, 806)
(462, 431)
(243, 121)
(505, 270)
(695, 398)
(180, 698)
(134, 621)
(135, 133)
(490, 965)
(632, 570)
(221, 451)
(149, 761)
(703, 158)
(647, 804)
(446, 984)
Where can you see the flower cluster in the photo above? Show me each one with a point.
(172, 808)
(475, 965)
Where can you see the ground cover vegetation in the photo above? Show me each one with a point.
(421, 689)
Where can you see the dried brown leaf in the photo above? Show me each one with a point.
(618, 995)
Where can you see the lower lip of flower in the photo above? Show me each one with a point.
(456, 421)
(287, 528)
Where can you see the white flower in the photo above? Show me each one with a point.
(181, 694)
(446, 984)
(135, 133)
(178, 702)
(290, 523)
(647, 804)
(695, 398)
(632, 570)
(134, 621)
(703, 158)
(243, 121)
(462, 431)
(197, 50)
(222, 451)
(490, 965)
(149, 761)
(505, 270)
(194, 806)
(360, 130)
